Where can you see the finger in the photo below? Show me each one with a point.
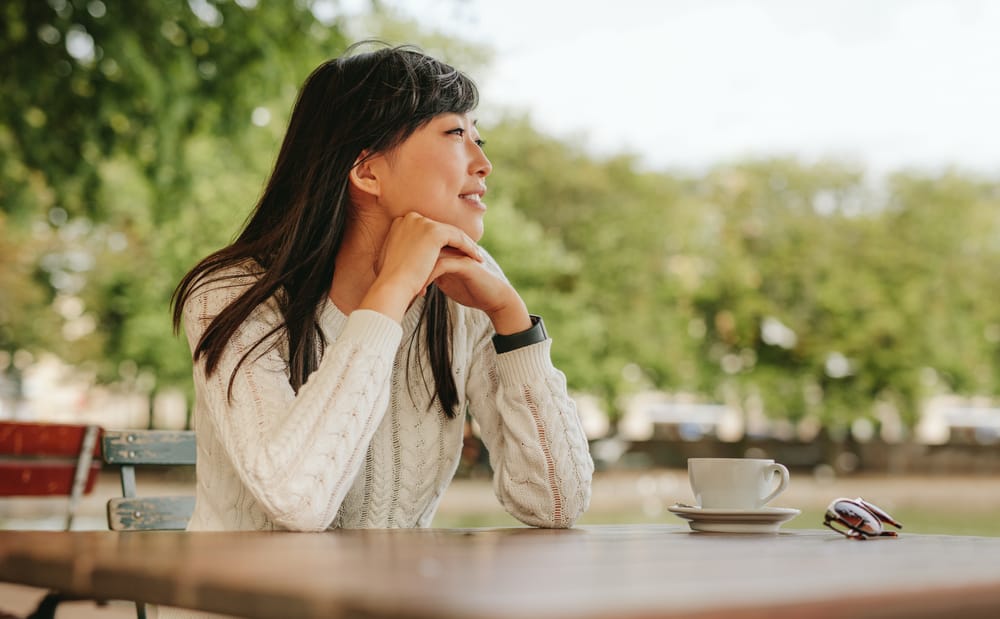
(450, 252)
(459, 265)
(456, 239)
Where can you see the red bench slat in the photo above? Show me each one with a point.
(40, 478)
(40, 459)
(43, 439)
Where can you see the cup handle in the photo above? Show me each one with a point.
(777, 468)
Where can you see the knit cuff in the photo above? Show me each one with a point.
(527, 364)
(373, 329)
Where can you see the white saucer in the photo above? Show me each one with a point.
(763, 520)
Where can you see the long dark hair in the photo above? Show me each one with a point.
(358, 102)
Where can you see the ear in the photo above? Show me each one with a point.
(363, 175)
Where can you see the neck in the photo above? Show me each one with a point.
(355, 267)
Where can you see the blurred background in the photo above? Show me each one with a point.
(762, 229)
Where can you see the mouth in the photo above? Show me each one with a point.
(475, 197)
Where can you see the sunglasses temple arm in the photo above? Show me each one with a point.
(879, 513)
(852, 532)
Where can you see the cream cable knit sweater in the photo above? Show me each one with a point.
(357, 446)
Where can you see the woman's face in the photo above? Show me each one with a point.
(440, 172)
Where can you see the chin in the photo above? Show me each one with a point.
(473, 229)
(475, 233)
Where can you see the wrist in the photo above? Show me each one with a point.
(512, 318)
(388, 300)
(533, 335)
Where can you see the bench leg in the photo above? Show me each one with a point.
(47, 607)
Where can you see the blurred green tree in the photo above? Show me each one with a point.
(790, 290)
(132, 141)
(135, 137)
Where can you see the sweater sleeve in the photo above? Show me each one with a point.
(298, 454)
(541, 462)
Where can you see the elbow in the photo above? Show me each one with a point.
(552, 507)
(291, 507)
(286, 502)
(303, 522)
(561, 516)
(573, 499)
(557, 521)
(572, 507)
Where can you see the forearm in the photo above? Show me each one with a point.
(387, 298)
(512, 317)
(538, 450)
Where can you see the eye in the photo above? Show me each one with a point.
(460, 132)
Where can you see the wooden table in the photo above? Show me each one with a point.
(636, 571)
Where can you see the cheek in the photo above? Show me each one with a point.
(426, 184)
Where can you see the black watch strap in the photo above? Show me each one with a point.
(534, 335)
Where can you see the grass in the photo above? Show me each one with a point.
(922, 521)
(925, 504)
(938, 505)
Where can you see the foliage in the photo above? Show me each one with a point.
(115, 115)
(135, 137)
(796, 291)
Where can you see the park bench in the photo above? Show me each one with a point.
(60, 459)
(47, 459)
(128, 449)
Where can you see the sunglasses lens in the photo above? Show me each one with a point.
(854, 517)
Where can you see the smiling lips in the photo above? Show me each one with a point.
(476, 197)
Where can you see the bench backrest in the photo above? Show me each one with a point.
(131, 448)
(49, 459)
(39, 459)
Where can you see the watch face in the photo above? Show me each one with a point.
(534, 335)
(537, 322)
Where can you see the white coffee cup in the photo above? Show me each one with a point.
(735, 483)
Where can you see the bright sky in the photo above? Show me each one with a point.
(688, 83)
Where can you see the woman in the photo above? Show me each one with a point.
(338, 340)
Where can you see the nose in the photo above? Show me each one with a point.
(480, 165)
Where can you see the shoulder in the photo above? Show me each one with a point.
(238, 276)
(215, 290)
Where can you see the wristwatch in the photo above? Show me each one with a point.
(534, 335)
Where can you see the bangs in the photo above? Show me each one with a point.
(403, 89)
(442, 89)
